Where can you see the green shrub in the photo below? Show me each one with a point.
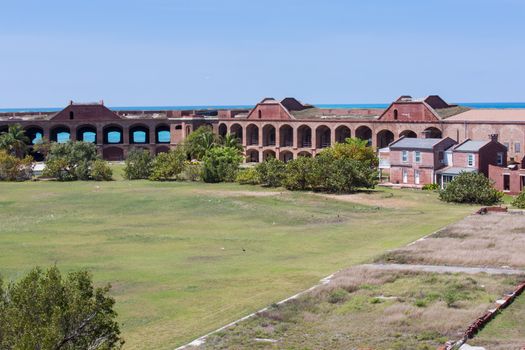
(166, 166)
(200, 141)
(431, 187)
(13, 168)
(70, 161)
(248, 176)
(192, 170)
(337, 296)
(100, 171)
(138, 164)
(221, 164)
(271, 172)
(298, 172)
(471, 188)
(519, 201)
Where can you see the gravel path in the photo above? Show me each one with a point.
(445, 269)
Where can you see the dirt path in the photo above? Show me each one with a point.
(445, 269)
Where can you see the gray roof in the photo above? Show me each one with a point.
(455, 170)
(471, 146)
(415, 143)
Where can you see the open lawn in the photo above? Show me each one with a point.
(186, 258)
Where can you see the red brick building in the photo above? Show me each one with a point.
(414, 161)
(284, 129)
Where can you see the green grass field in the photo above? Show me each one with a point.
(186, 258)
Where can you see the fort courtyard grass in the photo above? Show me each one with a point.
(186, 258)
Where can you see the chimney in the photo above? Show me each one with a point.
(494, 137)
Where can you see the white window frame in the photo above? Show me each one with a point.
(417, 176)
(404, 156)
(417, 154)
(471, 160)
(404, 175)
(499, 158)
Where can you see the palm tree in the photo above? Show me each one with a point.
(14, 141)
(232, 141)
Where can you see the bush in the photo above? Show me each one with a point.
(248, 176)
(199, 142)
(471, 188)
(340, 172)
(519, 201)
(166, 166)
(430, 187)
(138, 164)
(192, 170)
(100, 171)
(271, 172)
(70, 161)
(13, 168)
(221, 164)
(298, 173)
(45, 310)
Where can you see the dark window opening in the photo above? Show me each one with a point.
(395, 114)
(260, 114)
(71, 115)
(506, 182)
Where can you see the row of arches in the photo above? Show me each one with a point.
(323, 135)
(254, 156)
(116, 153)
(112, 134)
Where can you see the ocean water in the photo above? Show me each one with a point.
(497, 105)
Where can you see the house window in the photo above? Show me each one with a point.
(404, 156)
(417, 156)
(470, 160)
(499, 159)
(395, 114)
(416, 177)
(441, 157)
(506, 144)
(506, 182)
(260, 114)
(71, 115)
(517, 147)
(405, 175)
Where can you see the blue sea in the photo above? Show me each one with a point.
(497, 105)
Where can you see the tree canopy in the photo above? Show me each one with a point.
(45, 310)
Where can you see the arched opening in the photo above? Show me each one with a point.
(162, 134)
(304, 136)
(268, 135)
(286, 136)
(138, 134)
(35, 134)
(432, 133)
(260, 114)
(87, 133)
(113, 134)
(236, 130)
(364, 133)
(162, 149)
(252, 134)
(113, 154)
(408, 134)
(304, 154)
(342, 133)
(60, 134)
(395, 114)
(384, 138)
(252, 156)
(323, 135)
(268, 154)
(188, 130)
(223, 130)
(286, 156)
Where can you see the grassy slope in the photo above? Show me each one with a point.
(173, 251)
(507, 330)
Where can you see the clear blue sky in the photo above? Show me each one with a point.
(191, 52)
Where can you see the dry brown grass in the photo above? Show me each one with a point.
(373, 309)
(493, 240)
